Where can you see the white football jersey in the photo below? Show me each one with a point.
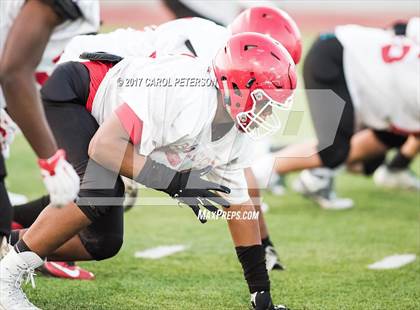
(176, 100)
(383, 76)
(168, 38)
(89, 23)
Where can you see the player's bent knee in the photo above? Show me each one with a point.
(334, 155)
(88, 200)
(102, 246)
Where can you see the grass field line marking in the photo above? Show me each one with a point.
(160, 251)
(393, 261)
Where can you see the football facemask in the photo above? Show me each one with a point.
(264, 117)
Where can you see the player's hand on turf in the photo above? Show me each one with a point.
(187, 187)
(190, 188)
(8, 129)
(60, 179)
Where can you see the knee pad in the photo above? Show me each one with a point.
(101, 245)
(335, 155)
(87, 197)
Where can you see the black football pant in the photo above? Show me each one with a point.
(64, 96)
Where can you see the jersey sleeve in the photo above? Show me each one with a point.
(169, 111)
(131, 123)
(140, 102)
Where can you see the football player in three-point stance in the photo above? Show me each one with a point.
(185, 36)
(163, 137)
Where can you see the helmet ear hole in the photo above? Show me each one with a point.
(249, 47)
(236, 90)
(250, 82)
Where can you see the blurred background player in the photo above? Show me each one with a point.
(32, 34)
(375, 71)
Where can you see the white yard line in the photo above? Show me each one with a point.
(160, 251)
(393, 261)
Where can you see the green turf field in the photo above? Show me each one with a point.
(326, 254)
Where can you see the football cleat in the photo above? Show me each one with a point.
(272, 260)
(16, 226)
(318, 185)
(403, 179)
(14, 269)
(65, 270)
(262, 301)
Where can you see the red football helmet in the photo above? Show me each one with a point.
(257, 78)
(273, 22)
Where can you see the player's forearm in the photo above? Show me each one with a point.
(117, 155)
(25, 109)
(244, 232)
(111, 148)
(23, 50)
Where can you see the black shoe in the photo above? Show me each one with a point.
(262, 301)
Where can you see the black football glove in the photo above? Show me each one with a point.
(186, 186)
